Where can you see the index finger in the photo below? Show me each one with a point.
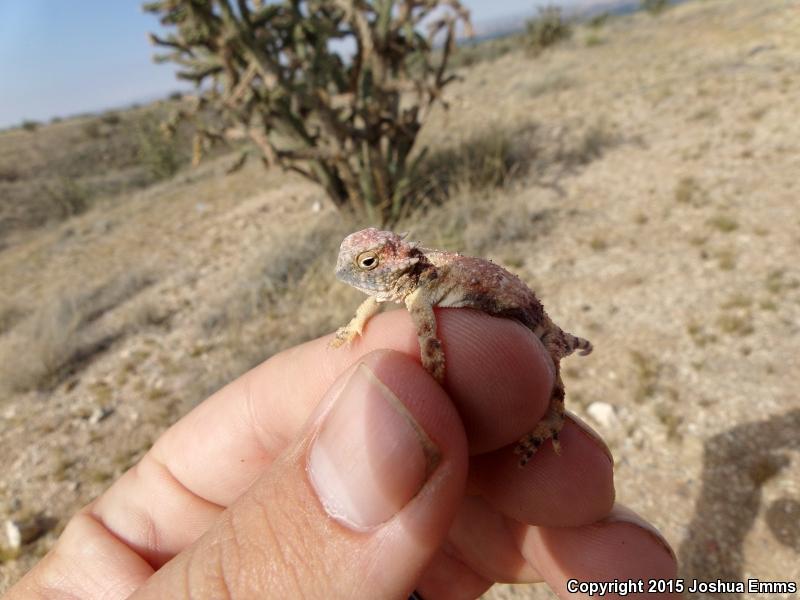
(497, 375)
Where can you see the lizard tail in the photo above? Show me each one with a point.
(575, 343)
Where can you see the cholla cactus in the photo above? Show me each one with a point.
(281, 75)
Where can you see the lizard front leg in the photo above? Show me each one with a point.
(430, 347)
(346, 334)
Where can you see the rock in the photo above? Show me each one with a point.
(23, 531)
(603, 414)
(99, 414)
(316, 207)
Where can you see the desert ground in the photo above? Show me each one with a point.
(642, 177)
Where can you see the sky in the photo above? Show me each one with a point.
(60, 57)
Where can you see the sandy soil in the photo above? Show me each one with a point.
(656, 214)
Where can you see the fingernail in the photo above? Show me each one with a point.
(370, 456)
(623, 514)
(591, 433)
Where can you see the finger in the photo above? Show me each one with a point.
(480, 550)
(210, 457)
(497, 374)
(86, 562)
(357, 508)
(622, 546)
(575, 487)
(297, 533)
(484, 545)
(485, 542)
(215, 453)
(448, 578)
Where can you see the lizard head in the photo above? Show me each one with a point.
(377, 263)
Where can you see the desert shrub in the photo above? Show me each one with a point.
(546, 29)
(156, 150)
(469, 53)
(655, 7)
(29, 125)
(488, 159)
(593, 40)
(92, 129)
(598, 21)
(111, 118)
(9, 174)
(10, 315)
(588, 144)
(495, 157)
(66, 197)
(271, 73)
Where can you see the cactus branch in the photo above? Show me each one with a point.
(271, 72)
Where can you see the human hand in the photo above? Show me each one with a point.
(351, 474)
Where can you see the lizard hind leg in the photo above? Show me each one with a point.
(548, 428)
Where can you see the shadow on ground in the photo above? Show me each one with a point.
(736, 465)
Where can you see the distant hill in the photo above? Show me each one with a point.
(580, 11)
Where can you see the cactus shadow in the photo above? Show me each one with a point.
(736, 465)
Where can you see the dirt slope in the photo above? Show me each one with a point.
(652, 203)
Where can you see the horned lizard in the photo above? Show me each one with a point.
(388, 268)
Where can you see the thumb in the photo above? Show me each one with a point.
(357, 507)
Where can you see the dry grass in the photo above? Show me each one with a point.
(283, 295)
(647, 371)
(699, 335)
(491, 159)
(63, 335)
(587, 144)
(594, 40)
(726, 259)
(264, 287)
(487, 159)
(777, 282)
(737, 325)
(689, 191)
(738, 300)
(551, 83)
(598, 244)
(10, 315)
(723, 223)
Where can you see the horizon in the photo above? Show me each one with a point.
(60, 72)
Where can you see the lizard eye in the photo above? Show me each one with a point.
(367, 260)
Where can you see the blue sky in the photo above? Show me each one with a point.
(60, 57)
